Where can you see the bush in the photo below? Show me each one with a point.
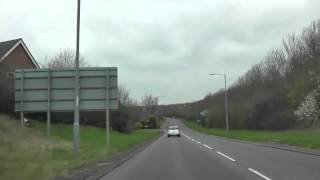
(138, 125)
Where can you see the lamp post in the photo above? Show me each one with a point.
(225, 99)
(76, 138)
(158, 97)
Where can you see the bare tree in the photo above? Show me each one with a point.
(124, 96)
(65, 58)
(252, 76)
(311, 39)
(294, 50)
(150, 103)
(275, 65)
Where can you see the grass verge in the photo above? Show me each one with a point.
(302, 138)
(26, 153)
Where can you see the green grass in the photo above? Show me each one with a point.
(303, 138)
(26, 153)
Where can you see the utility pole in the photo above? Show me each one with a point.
(225, 100)
(226, 103)
(159, 113)
(76, 137)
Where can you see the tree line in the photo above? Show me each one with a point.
(280, 92)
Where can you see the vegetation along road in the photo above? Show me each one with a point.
(31, 155)
(303, 138)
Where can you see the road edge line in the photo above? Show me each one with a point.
(259, 174)
(231, 159)
(207, 146)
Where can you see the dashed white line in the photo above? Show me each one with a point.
(188, 137)
(259, 174)
(198, 142)
(207, 146)
(231, 159)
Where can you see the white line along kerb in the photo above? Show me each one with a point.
(226, 156)
(207, 146)
(259, 174)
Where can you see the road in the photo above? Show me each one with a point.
(196, 156)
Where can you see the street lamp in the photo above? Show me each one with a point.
(158, 97)
(76, 138)
(225, 98)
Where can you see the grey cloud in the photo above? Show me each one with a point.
(164, 47)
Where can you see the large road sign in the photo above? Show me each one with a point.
(43, 90)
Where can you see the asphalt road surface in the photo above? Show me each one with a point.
(196, 156)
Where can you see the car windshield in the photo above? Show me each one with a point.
(173, 127)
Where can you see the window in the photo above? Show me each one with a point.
(10, 75)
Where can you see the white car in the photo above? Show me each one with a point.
(173, 131)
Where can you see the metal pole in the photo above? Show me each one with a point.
(76, 138)
(159, 112)
(107, 112)
(22, 118)
(157, 123)
(21, 99)
(226, 103)
(48, 109)
(107, 128)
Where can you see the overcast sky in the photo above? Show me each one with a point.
(163, 47)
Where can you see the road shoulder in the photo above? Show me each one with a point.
(101, 168)
(273, 145)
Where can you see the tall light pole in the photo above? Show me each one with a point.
(225, 99)
(76, 137)
(158, 97)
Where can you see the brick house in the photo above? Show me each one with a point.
(14, 54)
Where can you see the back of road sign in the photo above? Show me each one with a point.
(42, 90)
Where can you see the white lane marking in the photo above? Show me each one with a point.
(259, 174)
(207, 146)
(226, 156)
(198, 142)
(189, 137)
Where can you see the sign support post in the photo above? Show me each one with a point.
(21, 100)
(48, 111)
(107, 111)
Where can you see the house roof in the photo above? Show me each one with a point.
(6, 47)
